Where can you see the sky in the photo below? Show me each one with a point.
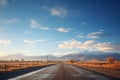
(59, 27)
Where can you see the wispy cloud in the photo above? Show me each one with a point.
(81, 35)
(58, 11)
(61, 29)
(89, 45)
(83, 23)
(3, 2)
(5, 42)
(98, 34)
(94, 35)
(32, 42)
(35, 24)
(11, 21)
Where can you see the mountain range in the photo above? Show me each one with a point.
(76, 56)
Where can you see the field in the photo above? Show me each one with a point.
(103, 67)
(13, 65)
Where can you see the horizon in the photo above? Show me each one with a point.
(84, 56)
(43, 27)
(88, 52)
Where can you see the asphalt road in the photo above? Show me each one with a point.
(10, 74)
(62, 72)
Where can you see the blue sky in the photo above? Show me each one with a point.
(59, 27)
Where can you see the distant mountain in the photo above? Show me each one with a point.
(91, 56)
(17, 56)
(85, 56)
(20, 56)
(50, 57)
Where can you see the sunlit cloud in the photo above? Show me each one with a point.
(69, 44)
(107, 46)
(61, 29)
(3, 2)
(3, 53)
(59, 54)
(5, 42)
(35, 24)
(32, 42)
(59, 11)
(89, 45)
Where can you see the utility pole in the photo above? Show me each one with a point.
(47, 58)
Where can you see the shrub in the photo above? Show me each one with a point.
(110, 59)
(71, 60)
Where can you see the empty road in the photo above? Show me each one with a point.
(61, 72)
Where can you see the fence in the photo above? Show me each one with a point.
(8, 66)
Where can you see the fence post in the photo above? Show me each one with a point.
(20, 65)
(33, 64)
(27, 65)
(5, 67)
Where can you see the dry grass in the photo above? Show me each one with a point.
(13, 65)
(105, 68)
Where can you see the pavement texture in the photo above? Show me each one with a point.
(63, 72)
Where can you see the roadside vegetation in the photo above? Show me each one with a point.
(16, 64)
(110, 67)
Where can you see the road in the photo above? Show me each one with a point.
(62, 72)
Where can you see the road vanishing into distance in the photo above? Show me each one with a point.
(61, 71)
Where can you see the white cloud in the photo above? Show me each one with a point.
(32, 42)
(97, 34)
(5, 42)
(58, 12)
(63, 29)
(89, 45)
(3, 2)
(69, 44)
(60, 54)
(35, 24)
(107, 46)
